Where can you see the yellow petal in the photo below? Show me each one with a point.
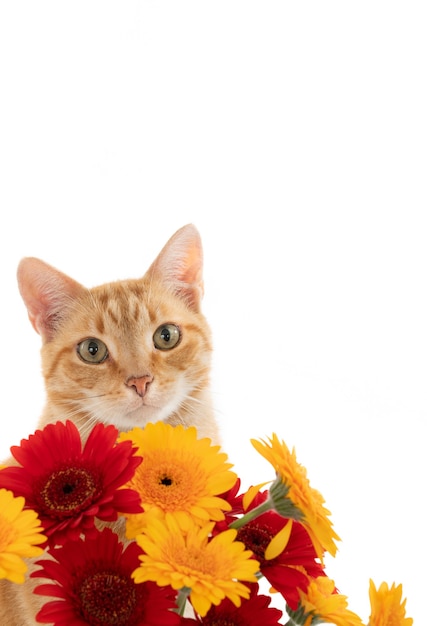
(279, 542)
(251, 493)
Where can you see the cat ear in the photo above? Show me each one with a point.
(47, 294)
(180, 265)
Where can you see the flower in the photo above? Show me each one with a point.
(193, 541)
(322, 603)
(92, 585)
(180, 474)
(387, 607)
(308, 500)
(67, 486)
(252, 612)
(291, 570)
(211, 568)
(20, 536)
(235, 509)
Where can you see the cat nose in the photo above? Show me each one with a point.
(141, 384)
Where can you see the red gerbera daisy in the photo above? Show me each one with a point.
(69, 486)
(252, 612)
(294, 566)
(93, 586)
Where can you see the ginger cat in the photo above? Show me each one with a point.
(125, 353)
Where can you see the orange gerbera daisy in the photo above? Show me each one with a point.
(210, 568)
(180, 474)
(20, 536)
(299, 492)
(321, 603)
(387, 607)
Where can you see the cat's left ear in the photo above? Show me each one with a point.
(47, 293)
(180, 265)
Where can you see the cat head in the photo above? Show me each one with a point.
(127, 352)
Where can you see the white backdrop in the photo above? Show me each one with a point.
(294, 136)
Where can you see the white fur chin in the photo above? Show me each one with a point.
(125, 420)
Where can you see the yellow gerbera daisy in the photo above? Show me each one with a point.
(321, 603)
(180, 474)
(308, 500)
(387, 607)
(210, 568)
(20, 534)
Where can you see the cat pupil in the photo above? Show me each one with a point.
(92, 348)
(166, 335)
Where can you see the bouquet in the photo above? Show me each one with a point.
(152, 527)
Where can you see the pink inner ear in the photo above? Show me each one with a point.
(180, 265)
(192, 273)
(47, 293)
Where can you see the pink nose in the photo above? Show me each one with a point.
(141, 384)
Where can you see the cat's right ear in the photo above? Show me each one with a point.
(180, 265)
(47, 294)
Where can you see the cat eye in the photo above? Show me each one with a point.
(166, 337)
(92, 350)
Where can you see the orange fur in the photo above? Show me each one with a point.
(137, 383)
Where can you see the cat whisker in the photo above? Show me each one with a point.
(86, 397)
(88, 425)
(87, 417)
(195, 400)
(189, 403)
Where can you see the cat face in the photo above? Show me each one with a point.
(127, 354)
(124, 353)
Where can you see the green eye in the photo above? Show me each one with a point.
(166, 337)
(92, 350)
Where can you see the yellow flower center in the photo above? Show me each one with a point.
(201, 560)
(191, 560)
(167, 483)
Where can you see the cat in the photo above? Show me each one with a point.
(124, 353)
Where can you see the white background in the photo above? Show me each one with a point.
(294, 136)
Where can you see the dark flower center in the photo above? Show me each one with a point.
(222, 621)
(68, 491)
(107, 598)
(255, 538)
(165, 480)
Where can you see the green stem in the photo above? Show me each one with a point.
(299, 617)
(250, 515)
(181, 600)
